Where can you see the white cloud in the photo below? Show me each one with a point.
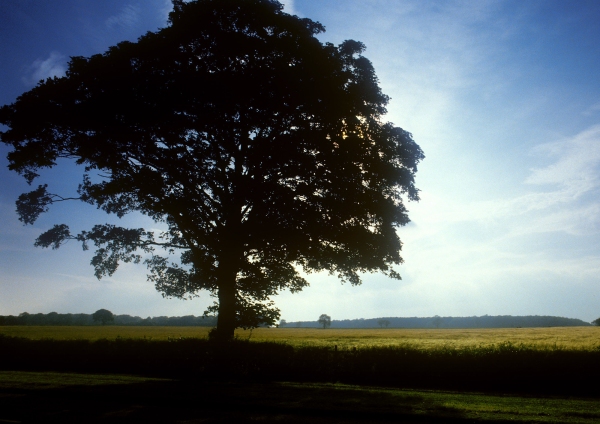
(40, 69)
(288, 7)
(557, 192)
(127, 17)
(164, 9)
(576, 165)
(462, 253)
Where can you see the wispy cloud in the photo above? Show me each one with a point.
(557, 192)
(54, 66)
(164, 9)
(541, 235)
(576, 166)
(592, 110)
(127, 17)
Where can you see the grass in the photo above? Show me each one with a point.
(571, 338)
(26, 380)
(68, 397)
(473, 405)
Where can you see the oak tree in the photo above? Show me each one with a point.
(260, 150)
(324, 320)
(103, 315)
(383, 322)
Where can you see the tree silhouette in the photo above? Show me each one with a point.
(596, 321)
(261, 149)
(103, 315)
(325, 321)
(383, 322)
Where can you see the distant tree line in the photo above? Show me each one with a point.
(486, 321)
(54, 318)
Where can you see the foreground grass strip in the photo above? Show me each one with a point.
(466, 405)
(68, 397)
(28, 380)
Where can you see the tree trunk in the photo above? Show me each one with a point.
(229, 262)
(226, 321)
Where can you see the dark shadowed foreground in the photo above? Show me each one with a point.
(202, 401)
(66, 397)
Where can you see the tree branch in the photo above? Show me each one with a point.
(31, 205)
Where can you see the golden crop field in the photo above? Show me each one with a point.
(552, 337)
(561, 337)
(109, 332)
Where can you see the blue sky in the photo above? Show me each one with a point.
(503, 97)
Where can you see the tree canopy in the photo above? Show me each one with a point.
(324, 320)
(103, 315)
(261, 150)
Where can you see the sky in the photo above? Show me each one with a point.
(502, 96)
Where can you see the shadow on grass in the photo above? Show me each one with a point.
(172, 401)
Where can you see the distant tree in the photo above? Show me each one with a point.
(282, 323)
(596, 321)
(24, 318)
(437, 321)
(261, 150)
(383, 322)
(12, 320)
(103, 315)
(82, 319)
(325, 321)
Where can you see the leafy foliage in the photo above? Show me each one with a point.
(383, 322)
(104, 316)
(261, 149)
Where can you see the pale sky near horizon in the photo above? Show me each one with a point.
(502, 96)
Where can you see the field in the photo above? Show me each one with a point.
(174, 374)
(571, 338)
